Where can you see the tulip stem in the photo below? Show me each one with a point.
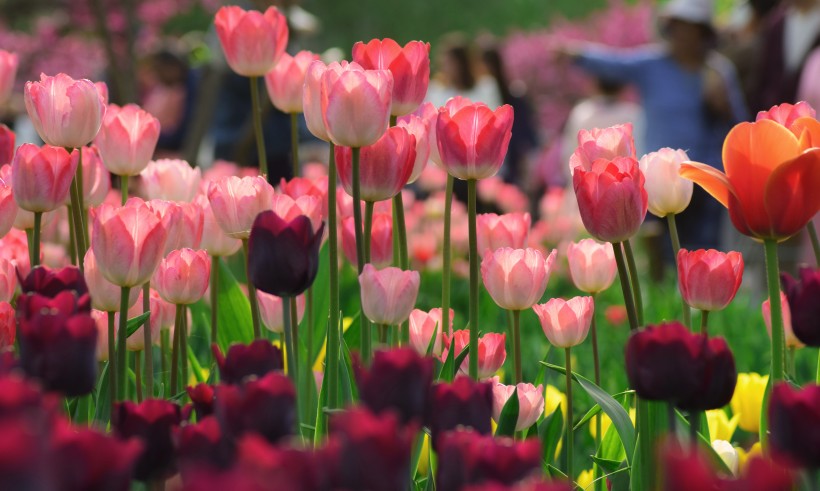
(360, 254)
(704, 321)
(694, 426)
(817, 375)
(294, 142)
(122, 334)
(597, 372)
(623, 275)
(214, 298)
(636, 284)
(673, 233)
(516, 335)
(257, 331)
(148, 340)
(773, 280)
(183, 346)
(289, 348)
(163, 360)
(815, 242)
(383, 329)
(175, 351)
(72, 241)
(404, 259)
(568, 372)
(257, 128)
(333, 342)
(81, 196)
(137, 375)
(446, 257)
(76, 211)
(123, 189)
(294, 330)
(112, 360)
(35, 239)
(471, 212)
(368, 229)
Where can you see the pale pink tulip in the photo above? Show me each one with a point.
(592, 266)
(304, 186)
(423, 324)
(183, 276)
(14, 247)
(389, 294)
(286, 80)
(41, 177)
(270, 310)
(214, 239)
(170, 179)
(105, 295)
(420, 130)
(602, 143)
(516, 278)
(170, 213)
(127, 139)
(235, 202)
(497, 231)
(252, 41)
(289, 208)
(8, 73)
(791, 339)
(8, 206)
(381, 240)
(530, 402)
(312, 100)
(667, 191)
(191, 225)
(8, 280)
(786, 113)
(566, 322)
(65, 112)
(96, 178)
(491, 351)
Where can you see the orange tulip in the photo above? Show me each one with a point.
(771, 180)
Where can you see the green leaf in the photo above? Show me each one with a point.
(550, 431)
(611, 446)
(195, 366)
(595, 410)
(102, 411)
(447, 373)
(418, 445)
(508, 418)
(321, 304)
(460, 358)
(234, 314)
(636, 478)
(619, 416)
(349, 390)
(607, 465)
(432, 343)
(133, 324)
(556, 473)
(704, 443)
(321, 417)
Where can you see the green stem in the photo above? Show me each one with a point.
(368, 229)
(112, 359)
(568, 436)
(694, 426)
(175, 351)
(122, 334)
(72, 241)
(773, 280)
(289, 348)
(815, 243)
(333, 342)
(35, 239)
(636, 284)
(123, 189)
(214, 297)
(76, 211)
(396, 251)
(81, 195)
(257, 331)
(673, 233)
(817, 374)
(257, 127)
(704, 321)
(294, 142)
(164, 341)
(404, 258)
(149, 344)
(790, 361)
(471, 212)
(360, 255)
(626, 288)
(382, 328)
(516, 335)
(446, 258)
(307, 382)
(183, 346)
(137, 371)
(294, 328)
(597, 373)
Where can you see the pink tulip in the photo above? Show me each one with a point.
(65, 112)
(170, 214)
(8, 325)
(191, 224)
(389, 294)
(592, 265)
(491, 351)
(303, 186)
(312, 100)
(497, 231)
(7, 144)
(289, 208)
(8, 72)
(428, 113)
(472, 141)
(270, 310)
(791, 339)
(105, 295)
(611, 198)
(183, 276)
(381, 240)
(128, 242)
(410, 66)
(422, 326)
(162, 317)
(8, 280)
(8, 206)
(516, 278)
(214, 239)
(667, 191)
(235, 202)
(419, 129)
(41, 177)
(566, 322)
(530, 402)
(709, 279)
(355, 104)
(252, 41)
(96, 178)
(384, 168)
(101, 320)
(786, 113)
(127, 139)
(14, 248)
(170, 179)
(602, 143)
(286, 80)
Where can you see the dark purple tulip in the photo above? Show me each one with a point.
(23, 454)
(684, 470)
(202, 445)
(212, 480)
(202, 399)
(266, 406)
(460, 403)
(663, 362)
(49, 282)
(804, 304)
(60, 351)
(794, 424)
(366, 451)
(152, 422)
(525, 486)
(65, 302)
(719, 378)
(246, 360)
(280, 467)
(398, 380)
(283, 257)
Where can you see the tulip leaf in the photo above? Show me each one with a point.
(636, 478)
(550, 431)
(320, 428)
(234, 310)
(611, 446)
(596, 409)
(195, 366)
(508, 418)
(556, 473)
(102, 412)
(135, 323)
(704, 443)
(432, 344)
(609, 466)
(349, 387)
(618, 415)
(418, 446)
(319, 294)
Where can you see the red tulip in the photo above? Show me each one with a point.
(41, 177)
(516, 278)
(602, 143)
(127, 139)
(410, 66)
(286, 81)
(8, 72)
(182, 277)
(566, 322)
(355, 104)
(472, 141)
(252, 41)
(497, 231)
(771, 180)
(591, 265)
(65, 112)
(611, 198)
(235, 203)
(709, 279)
(170, 179)
(385, 166)
(7, 140)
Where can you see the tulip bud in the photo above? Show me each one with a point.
(792, 413)
(791, 339)
(385, 166)
(464, 402)
(491, 351)
(496, 231)
(398, 380)
(96, 178)
(256, 359)
(381, 240)
(668, 193)
(151, 422)
(420, 130)
(172, 180)
(786, 113)
(410, 66)
(252, 41)
(592, 265)
(747, 401)
(803, 305)
(516, 278)
(182, 277)
(472, 140)
(388, 295)
(709, 279)
(270, 310)
(602, 143)
(105, 295)
(266, 406)
(40, 177)
(566, 322)
(422, 326)
(286, 80)
(127, 139)
(235, 203)
(65, 112)
(530, 402)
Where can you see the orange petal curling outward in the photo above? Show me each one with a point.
(792, 195)
(710, 179)
(808, 131)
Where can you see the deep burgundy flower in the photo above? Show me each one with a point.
(202, 399)
(60, 351)
(804, 306)
(281, 467)
(202, 445)
(525, 486)
(663, 362)
(366, 451)
(467, 457)
(283, 257)
(398, 380)
(245, 360)
(206, 479)
(764, 475)
(65, 302)
(23, 454)
(460, 403)
(49, 282)
(794, 424)
(719, 378)
(19, 397)
(266, 406)
(152, 422)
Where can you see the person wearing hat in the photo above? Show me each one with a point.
(690, 97)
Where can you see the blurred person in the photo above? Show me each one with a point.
(458, 74)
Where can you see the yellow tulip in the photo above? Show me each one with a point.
(743, 456)
(585, 479)
(747, 400)
(720, 426)
(553, 397)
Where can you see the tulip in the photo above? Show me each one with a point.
(530, 402)
(8, 280)
(256, 359)
(464, 402)
(235, 203)
(151, 422)
(49, 283)
(191, 223)
(182, 277)
(202, 399)
(805, 309)
(516, 278)
(611, 198)
(381, 240)
(288, 208)
(170, 213)
(792, 342)
(312, 100)
(592, 265)
(127, 139)
(162, 318)
(410, 66)
(65, 112)
(491, 351)
(8, 325)
(8, 72)
(172, 180)
(96, 179)
(497, 231)
(203, 445)
(303, 186)
(602, 143)
(786, 114)
(420, 130)
(472, 140)
(8, 206)
(388, 295)
(793, 414)
(385, 166)
(105, 295)
(399, 381)
(286, 80)
(708, 279)
(7, 144)
(747, 401)
(422, 327)
(355, 104)
(40, 177)
(668, 193)
(214, 239)
(719, 378)
(266, 406)
(270, 311)
(566, 322)
(252, 41)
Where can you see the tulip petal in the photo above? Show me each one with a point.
(807, 129)
(791, 195)
(710, 179)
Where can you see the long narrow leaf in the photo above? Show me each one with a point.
(509, 416)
